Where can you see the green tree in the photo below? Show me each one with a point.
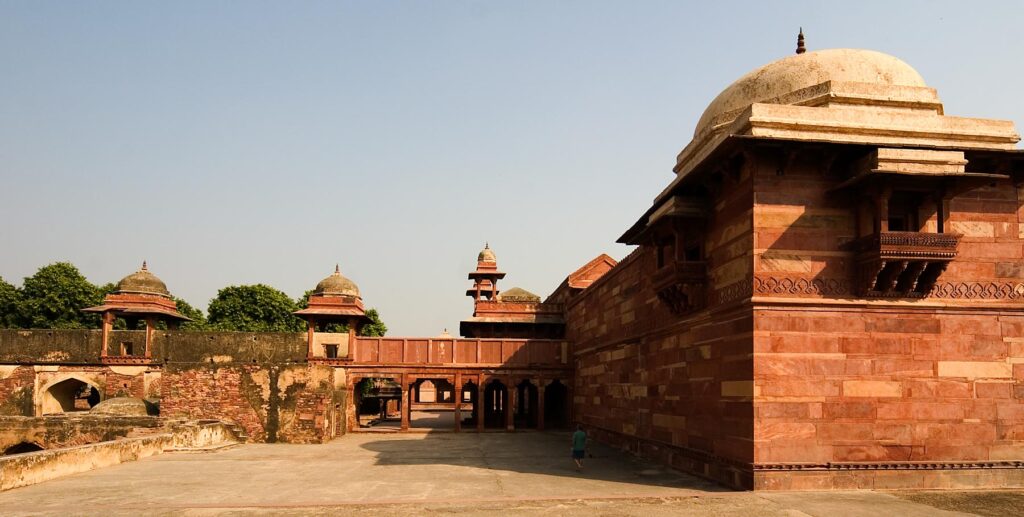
(10, 296)
(198, 318)
(54, 298)
(375, 328)
(253, 308)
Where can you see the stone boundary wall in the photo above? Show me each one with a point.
(35, 467)
(67, 347)
(70, 430)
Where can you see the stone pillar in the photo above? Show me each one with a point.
(458, 402)
(351, 406)
(478, 406)
(510, 407)
(310, 329)
(406, 398)
(540, 404)
(150, 327)
(108, 324)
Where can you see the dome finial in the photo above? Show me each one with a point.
(487, 245)
(337, 269)
(800, 48)
(144, 268)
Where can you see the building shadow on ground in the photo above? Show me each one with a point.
(529, 452)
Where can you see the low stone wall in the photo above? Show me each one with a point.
(70, 430)
(35, 467)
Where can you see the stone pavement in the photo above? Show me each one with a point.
(526, 473)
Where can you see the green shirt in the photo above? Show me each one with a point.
(579, 441)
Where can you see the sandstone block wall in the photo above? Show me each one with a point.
(676, 388)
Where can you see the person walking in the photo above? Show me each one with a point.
(579, 446)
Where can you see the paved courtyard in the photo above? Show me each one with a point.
(441, 473)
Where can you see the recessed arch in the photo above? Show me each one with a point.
(69, 394)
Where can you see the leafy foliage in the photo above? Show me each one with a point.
(376, 327)
(10, 296)
(54, 298)
(253, 308)
(198, 318)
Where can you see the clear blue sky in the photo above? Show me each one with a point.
(245, 142)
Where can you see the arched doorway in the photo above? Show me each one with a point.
(495, 404)
(22, 448)
(526, 405)
(70, 395)
(556, 405)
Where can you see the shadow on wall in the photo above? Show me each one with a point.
(543, 453)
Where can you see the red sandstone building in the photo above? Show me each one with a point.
(828, 294)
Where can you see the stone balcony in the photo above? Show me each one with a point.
(680, 285)
(902, 264)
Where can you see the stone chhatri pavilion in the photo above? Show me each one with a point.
(336, 300)
(138, 296)
(828, 294)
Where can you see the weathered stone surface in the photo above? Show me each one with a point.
(123, 406)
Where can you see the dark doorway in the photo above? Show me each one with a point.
(495, 404)
(556, 405)
(21, 448)
(526, 405)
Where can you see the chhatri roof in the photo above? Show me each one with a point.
(775, 80)
(335, 297)
(142, 282)
(337, 285)
(518, 294)
(486, 254)
(140, 294)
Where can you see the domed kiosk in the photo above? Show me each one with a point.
(335, 300)
(138, 296)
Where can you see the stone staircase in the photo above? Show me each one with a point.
(238, 431)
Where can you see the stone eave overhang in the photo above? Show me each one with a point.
(138, 310)
(729, 144)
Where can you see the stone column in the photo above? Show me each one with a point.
(351, 407)
(406, 396)
(458, 402)
(310, 329)
(540, 404)
(108, 324)
(150, 327)
(478, 406)
(510, 407)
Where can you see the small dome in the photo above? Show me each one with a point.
(486, 255)
(800, 71)
(337, 285)
(124, 406)
(143, 282)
